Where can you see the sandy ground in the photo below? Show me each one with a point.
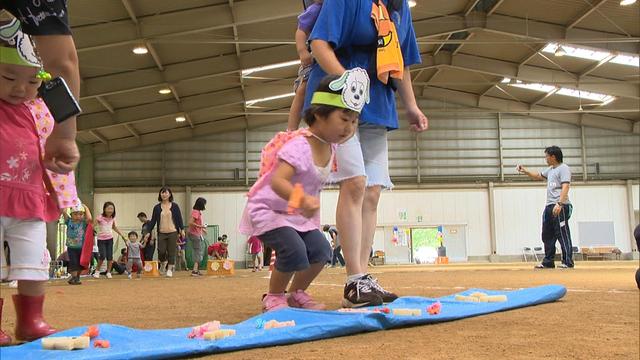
(597, 319)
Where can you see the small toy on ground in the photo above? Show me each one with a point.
(407, 312)
(435, 308)
(481, 297)
(273, 324)
(102, 344)
(66, 343)
(200, 330)
(219, 334)
(92, 332)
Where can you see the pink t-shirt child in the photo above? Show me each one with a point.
(266, 210)
(105, 226)
(197, 216)
(255, 245)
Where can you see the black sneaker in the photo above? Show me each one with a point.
(541, 266)
(386, 296)
(360, 293)
(74, 281)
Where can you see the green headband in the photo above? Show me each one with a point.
(326, 98)
(10, 56)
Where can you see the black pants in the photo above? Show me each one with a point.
(337, 256)
(556, 228)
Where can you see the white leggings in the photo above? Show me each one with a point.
(27, 240)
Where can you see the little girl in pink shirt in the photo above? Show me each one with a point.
(304, 157)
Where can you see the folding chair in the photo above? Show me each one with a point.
(528, 251)
(538, 250)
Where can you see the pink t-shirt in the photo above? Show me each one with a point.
(266, 211)
(255, 245)
(23, 194)
(105, 225)
(197, 216)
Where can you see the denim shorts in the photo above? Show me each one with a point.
(365, 154)
(296, 251)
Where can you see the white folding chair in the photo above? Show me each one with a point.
(528, 251)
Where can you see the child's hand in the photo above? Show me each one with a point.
(310, 205)
(305, 58)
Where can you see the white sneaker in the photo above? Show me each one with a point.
(169, 273)
(13, 284)
(109, 275)
(129, 276)
(96, 275)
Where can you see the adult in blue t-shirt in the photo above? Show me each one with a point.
(345, 37)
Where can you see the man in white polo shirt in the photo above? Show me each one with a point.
(555, 219)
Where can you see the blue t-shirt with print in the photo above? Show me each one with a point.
(75, 233)
(347, 26)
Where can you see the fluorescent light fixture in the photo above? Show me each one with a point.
(250, 71)
(593, 54)
(628, 60)
(602, 98)
(412, 3)
(140, 50)
(181, 119)
(627, 2)
(275, 97)
(164, 91)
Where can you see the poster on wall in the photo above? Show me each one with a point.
(403, 215)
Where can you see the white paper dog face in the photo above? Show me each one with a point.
(13, 35)
(355, 88)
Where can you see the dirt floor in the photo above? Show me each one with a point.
(597, 319)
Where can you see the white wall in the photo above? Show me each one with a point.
(518, 212)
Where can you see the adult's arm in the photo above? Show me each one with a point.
(155, 217)
(416, 118)
(326, 57)
(58, 54)
(534, 175)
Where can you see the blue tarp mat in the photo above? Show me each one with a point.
(128, 343)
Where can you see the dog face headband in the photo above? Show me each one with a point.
(354, 84)
(16, 48)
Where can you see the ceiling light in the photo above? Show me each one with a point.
(505, 80)
(140, 50)
(275, 97)
(412, 3)
(164, 91)
(560, 51)
(534, 86)
(250, 71)
(181, 119)
(627, 2)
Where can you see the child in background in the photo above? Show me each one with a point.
(255, 249)
(105, 223)
(120, 266)
(181, 260)
(76, 228)
(306, 20)
(149, 240)
(218, 251)
(25, 184)
(196, 232)
(305, 157)
(133, 253)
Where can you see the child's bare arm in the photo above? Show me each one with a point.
(65, 215)
(301, 46)
(281, 180)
